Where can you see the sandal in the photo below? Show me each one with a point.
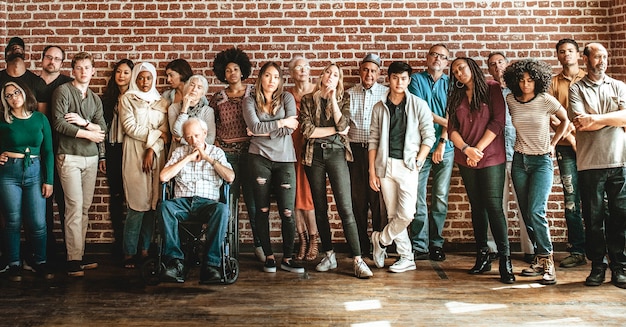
(129, 263)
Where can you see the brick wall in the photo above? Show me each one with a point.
(324, 31)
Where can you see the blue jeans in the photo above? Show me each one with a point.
(566, 158)
(22, 202)
(243, 182)
(532, 179)
(332, 161)
(484, 189)
(278, 178)
(137, 223)
(211, 212)
(605, 232)
(426, 230)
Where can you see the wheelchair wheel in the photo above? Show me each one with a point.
(151, 271)
(231, 271)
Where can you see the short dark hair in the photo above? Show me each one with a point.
(182, 67)
(399, 67)
(497, 53)
(539, 71)
(564, 41)
(43, 53)
(234, 55)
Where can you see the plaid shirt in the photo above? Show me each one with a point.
(362, 101)
(198, 178)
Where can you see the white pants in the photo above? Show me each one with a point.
(399, 189)
(78, 179)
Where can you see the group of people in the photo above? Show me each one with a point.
(377, 145)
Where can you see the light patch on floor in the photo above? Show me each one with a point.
(565, 321)
(362, 305)
(519, 286)
(462, 307)
(373, 324)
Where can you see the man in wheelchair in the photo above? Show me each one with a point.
(199, 169)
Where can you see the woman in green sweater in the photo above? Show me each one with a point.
(26, 179)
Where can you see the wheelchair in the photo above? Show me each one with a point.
(192, 239)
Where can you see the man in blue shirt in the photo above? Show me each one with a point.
(432, 86)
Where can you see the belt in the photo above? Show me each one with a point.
(359, 144)
(325, 145)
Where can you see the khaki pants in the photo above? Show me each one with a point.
(78, 178)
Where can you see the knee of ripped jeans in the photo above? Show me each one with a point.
(287, 212)
(285, 186)
(568, 186)
(261, 180)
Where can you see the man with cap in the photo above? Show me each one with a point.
(14, 54)
(363, 96)
(431, 85)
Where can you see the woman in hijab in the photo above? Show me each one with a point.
(143, 114)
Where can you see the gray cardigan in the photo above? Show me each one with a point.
(419, 130)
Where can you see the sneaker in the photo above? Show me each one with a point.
(88, 264)
(291, 266)
(379, 253)
(74, 269)
(549, 271)
(535, 268)
(174, 271)
(259, 254)
(15, 273)
(327, 263)
(402, 265)
(4, 268)
(270, 265)
(42, 270)
(361, 270)
(573, 260)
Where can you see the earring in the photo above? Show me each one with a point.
(459, 85)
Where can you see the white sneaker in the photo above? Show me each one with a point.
(361, 270)
(259, 254)
(379, 253)
(327, 263)
(402, 265)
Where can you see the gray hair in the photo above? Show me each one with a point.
(202, 79)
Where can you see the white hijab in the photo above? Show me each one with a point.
(153, 94)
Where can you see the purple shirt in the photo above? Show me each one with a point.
(472, 127)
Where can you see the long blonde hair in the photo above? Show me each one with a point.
(317, 93)
(277, 96)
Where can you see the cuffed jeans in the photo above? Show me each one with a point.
(243, 183)
(279, 177)
(78, 178)
(211, 212)
(484, 190)
(566, 158)
(138, 223)
(332, 161)
(604, 232)
(22, 202)
(427, 229)
(399, 189)
(365, 199)
(532, 179)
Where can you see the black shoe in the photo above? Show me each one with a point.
(436, 254)
(174, 271)
(74, 269)
(483, 262)
(210, 275)
(291, 266)
(270, 265)
(15, 273)
(597, 275)
(43, 270)
(618, 277)
(418, 255)
(506, 270)
(87, 264)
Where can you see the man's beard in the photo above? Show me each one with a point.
(14, 55)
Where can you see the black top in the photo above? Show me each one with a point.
(397, 128)
(31, 80)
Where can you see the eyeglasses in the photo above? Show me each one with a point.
(435, 55)
(51, 58)
(10, 96)
(302, 68)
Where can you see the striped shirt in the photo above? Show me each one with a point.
(532, 122)
(362, 101)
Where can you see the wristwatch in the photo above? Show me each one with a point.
(442, 140)
(419, 164)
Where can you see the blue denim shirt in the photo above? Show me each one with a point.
(509, 130)
(436, 95)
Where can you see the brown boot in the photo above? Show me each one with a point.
(311, 254)
(303, 246)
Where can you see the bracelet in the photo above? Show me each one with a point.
(465, 148)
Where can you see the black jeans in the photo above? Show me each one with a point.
(279, 177)
(604, 232)
(332, 161)
(116, 190)
(365, 199)
(484, 189)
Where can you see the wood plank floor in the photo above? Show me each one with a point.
(436, 294)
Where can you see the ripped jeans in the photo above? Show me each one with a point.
(278, 178)
(566, 158)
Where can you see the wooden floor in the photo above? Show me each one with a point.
(436, 294)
